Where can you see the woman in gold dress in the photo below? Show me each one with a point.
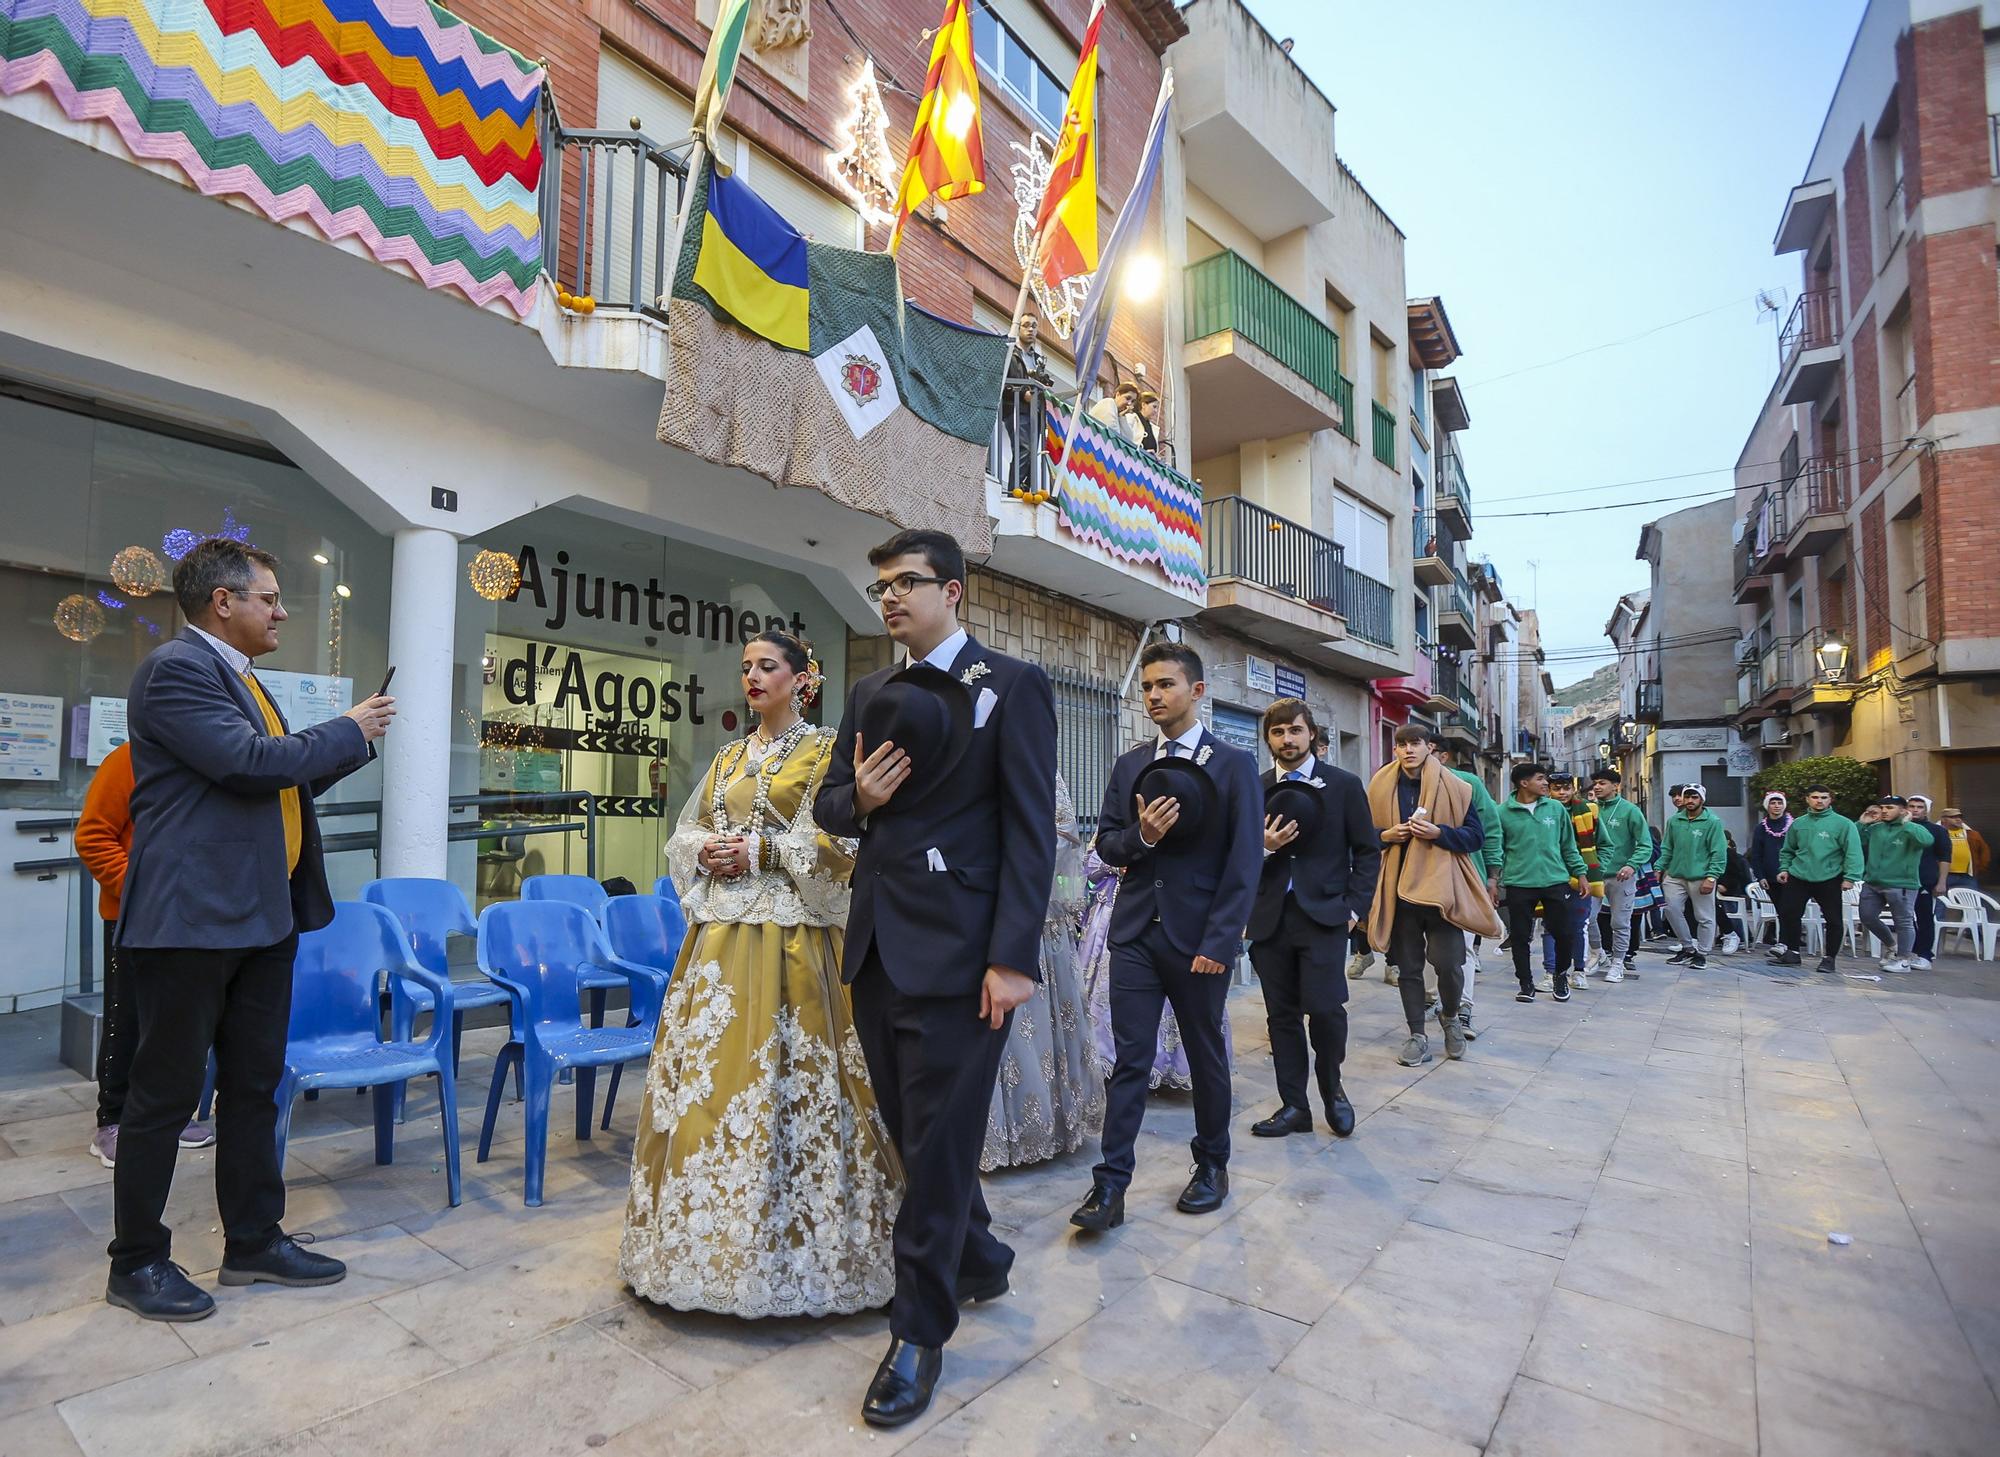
(763, 1179)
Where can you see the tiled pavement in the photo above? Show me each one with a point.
(1606, 1231)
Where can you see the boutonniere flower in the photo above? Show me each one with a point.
(1317, 783)
(974, 673)
(1201, 759)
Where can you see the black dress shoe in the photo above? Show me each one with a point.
(1103, 1210)
(1340, 1113)
(901, 1390)
(159, 1291)
(1785, 958)
(1286, 1120)
(284, 1261)
(985, 1287)
(1205, 1191)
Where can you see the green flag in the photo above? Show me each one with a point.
(718, 69)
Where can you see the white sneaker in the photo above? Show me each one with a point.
(1358, 964)
(1546, 983)
(1887, 963)
(1613, 974)
(1919, 963)
(1731, 943)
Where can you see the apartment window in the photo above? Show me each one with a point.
(1003, 53)
(1384, 383)
(1885, 180)
(1363, 535)
(1899, 374)
(1420, 398)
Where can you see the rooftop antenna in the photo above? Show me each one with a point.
(1772, 302)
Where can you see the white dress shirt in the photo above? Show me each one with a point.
(1189, 742)
(238, 661)
(945, 653)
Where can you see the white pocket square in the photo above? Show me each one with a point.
(983, 709)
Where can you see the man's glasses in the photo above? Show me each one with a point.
(901, 586)
(270, 597)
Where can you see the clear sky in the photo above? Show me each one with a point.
(1569, 174)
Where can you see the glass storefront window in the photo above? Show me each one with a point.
(613, 673)
(98, 508)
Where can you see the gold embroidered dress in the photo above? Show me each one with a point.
(763, 1179)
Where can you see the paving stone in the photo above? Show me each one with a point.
(1541, 1419)
(1825, 1414)
(80, 1349)
(471, 1315)
(1044, 1409)
(1287, 1418)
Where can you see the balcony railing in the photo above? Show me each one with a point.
(1245, 540)
(1819, 489)
(1369, 607)
(1648, 700)
(1814, 324)
(1343, 396)
(1451, 487)
(1385, 434)
(1225, 292)
(1905, 412)
(1458, 597)
(609, 238)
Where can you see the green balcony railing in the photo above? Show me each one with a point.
(1369, 607)
(1385, 434)
(1451, 486)
(1343, 396)
(1225, 292)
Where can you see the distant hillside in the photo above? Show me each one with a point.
(1600, 687)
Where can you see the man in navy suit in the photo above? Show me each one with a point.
(1317, 883)
(1176, 926)
(224, 873)
(950, 891)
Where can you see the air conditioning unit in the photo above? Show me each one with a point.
(1774, 733)
(1746, 650)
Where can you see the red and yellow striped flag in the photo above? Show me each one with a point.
(1066, 226)
(947, 153)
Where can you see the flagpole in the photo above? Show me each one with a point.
(697, 159)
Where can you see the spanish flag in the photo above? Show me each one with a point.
(1066, 226)
(718, 69)
(753, 264)
(947, 154)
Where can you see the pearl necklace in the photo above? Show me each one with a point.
(764, 773)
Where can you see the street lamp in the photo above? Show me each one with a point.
(1832, 656)
(1629, 731)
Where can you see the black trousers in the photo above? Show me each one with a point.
(1793, 897)
(1421, 935)
(1557, 902)
(1301, 969)
(119, 1036)
(1926, 942)
(1146, 974)
(239, 1002)
(933, 1062)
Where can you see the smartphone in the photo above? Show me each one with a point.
(1420, 813)
(385, 681)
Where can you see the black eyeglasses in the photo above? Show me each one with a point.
(901, 586)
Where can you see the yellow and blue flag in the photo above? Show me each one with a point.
(752, 263)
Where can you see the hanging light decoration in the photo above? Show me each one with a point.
(495, 575)
(138, 571)
(78, 618)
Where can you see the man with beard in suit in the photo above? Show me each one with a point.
(1183, 817)
(950, 889)
(1321, 856)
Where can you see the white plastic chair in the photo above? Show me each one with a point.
(1727, 906)
(1761, 913)
(1813, 928)
(1850, 910)
(1978, 916)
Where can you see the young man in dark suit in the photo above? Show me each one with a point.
(224, 873)
(951, 889)
(1321, 856)
(1190, 849)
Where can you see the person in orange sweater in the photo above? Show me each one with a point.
(103, 838)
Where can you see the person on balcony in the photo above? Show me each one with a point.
(1021, 406)
(1119, 411)
(1147, 421)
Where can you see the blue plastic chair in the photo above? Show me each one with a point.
(665, 888)
(578, 890)
(647, 930)
(335, 1036)
(541, 952)
(432, 911)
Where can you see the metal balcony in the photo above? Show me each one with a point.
(1809, 346)
(609, 199)
(1760, 550)
(1453, 496)
(1648, 701)
(1814, 508)
(1259, 363)
(1272, 579)
(1427, 551)
(1457, 627)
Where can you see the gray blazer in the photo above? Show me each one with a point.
(207, 866)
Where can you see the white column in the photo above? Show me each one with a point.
(416, 754)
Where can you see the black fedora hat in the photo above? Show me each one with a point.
(1295, 800)
(1185, 781)
(926, 713)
